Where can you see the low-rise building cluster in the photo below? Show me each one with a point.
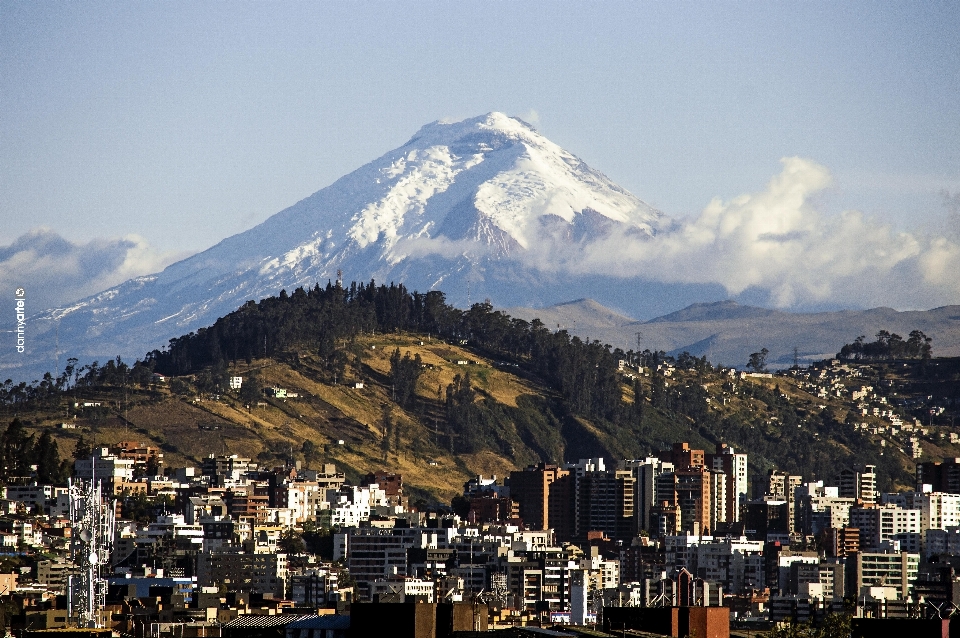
(902, 423)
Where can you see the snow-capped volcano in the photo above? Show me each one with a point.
(469, 207)
(487, 187)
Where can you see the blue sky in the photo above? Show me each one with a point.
(167, 127)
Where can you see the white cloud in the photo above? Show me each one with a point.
(532, 118)
(418, 247)
(778, 242)
(55, 271)
(774, 242)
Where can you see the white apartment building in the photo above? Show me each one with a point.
(304, 499)
(602, 574)
(898, 570)
(36, 496)
(737, 565)
(354, 504)
(172, 526)
(106, 467)
(718, 498)
(347, 514)
(734, 467)
(531, 541)
(939, 510)
(885, 524)
(818, 513)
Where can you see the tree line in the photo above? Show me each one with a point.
(24, 457)
(888, 346)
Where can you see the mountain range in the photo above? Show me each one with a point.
(727, 332)
(485, 208)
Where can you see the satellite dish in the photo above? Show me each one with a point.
(93, 558)
(85, 535)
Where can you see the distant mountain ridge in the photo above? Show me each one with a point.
(727, 332)
(718, 310)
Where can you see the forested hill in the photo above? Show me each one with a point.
(380, 377)
(585, 374)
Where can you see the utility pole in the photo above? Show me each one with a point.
(56, 352)
(126, 421)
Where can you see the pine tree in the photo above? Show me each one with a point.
(47, 456)
(17, 448)
(82, 449)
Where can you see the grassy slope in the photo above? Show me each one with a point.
(323, 413)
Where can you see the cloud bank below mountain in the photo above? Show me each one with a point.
(777, 241)
(55, 271)
(774, 245)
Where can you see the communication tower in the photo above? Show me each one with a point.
(92, 519)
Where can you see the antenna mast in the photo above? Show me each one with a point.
(93, 523)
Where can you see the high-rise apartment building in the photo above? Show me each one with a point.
(822, 511)
(688, 490)
(719, 502)
(859, 484)
(734, 467)
(842, 541)
(897, 570)
(562, 516)
(766, 516)
(883, 524)
(530, 488)
(645, 473)
(941, 477)
(779, 486)
(606, 504)
(939, 510)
